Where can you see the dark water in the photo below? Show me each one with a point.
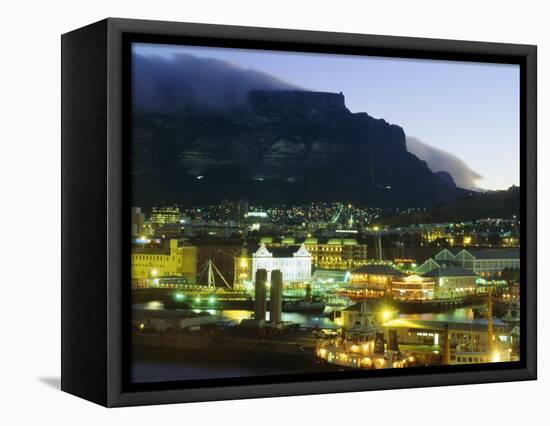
(152, 366)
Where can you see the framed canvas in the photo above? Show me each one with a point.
(254, 212)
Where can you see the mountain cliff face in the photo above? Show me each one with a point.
(281, 146)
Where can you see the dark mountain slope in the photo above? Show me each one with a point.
(279, 147)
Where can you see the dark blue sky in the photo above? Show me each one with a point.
(470, 110)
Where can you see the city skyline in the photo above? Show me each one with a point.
(312, 213)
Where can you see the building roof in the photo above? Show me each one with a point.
(275, 251)
(479, 325)
(494, 253)
(377, 270)
(450, 271)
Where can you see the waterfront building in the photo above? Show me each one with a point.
(293, 261)
(489, 263)
(337, 253)
(172, 258)
(374, 277)
(295, 265)
(165, 215)
(445, 256)
(412, 288)
(429, 265)
(452, 282)
(416, 336)
(333, 253)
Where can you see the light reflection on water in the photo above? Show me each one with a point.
(307, 320)
(316, 320)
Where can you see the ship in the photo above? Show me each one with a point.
(362, 346)
(304, 306)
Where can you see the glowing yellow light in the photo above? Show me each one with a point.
(495, 357)
(154, 272)
(243, 263)
(355, 348)
(141, 326)
(322, 352)
(367, 361)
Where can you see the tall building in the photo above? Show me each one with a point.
(173, 258)
(138, 221)
(165, 215)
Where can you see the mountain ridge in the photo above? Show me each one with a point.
(289, 146)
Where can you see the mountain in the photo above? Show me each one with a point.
(278, 146)
(492, 204)
(447, 178)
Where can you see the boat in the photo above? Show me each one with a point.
(362, 346)
(304, 306)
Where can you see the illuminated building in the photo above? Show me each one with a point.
(429, 265)
(422, 335)
(165, 215)
(432, 232)
(374, 277)
(412, 288)
(487, 263)
(406, 266)
(445, 255)
(295, 266)
(138, 221)
(337, 253)
(243, 270)
(293, 262)
(334, 253)
(151, 263)
(452, 282)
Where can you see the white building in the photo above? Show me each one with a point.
(295, 266)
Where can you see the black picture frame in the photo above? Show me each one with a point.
(95, 202)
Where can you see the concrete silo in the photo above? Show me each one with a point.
(260, 290)
(276, 296)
